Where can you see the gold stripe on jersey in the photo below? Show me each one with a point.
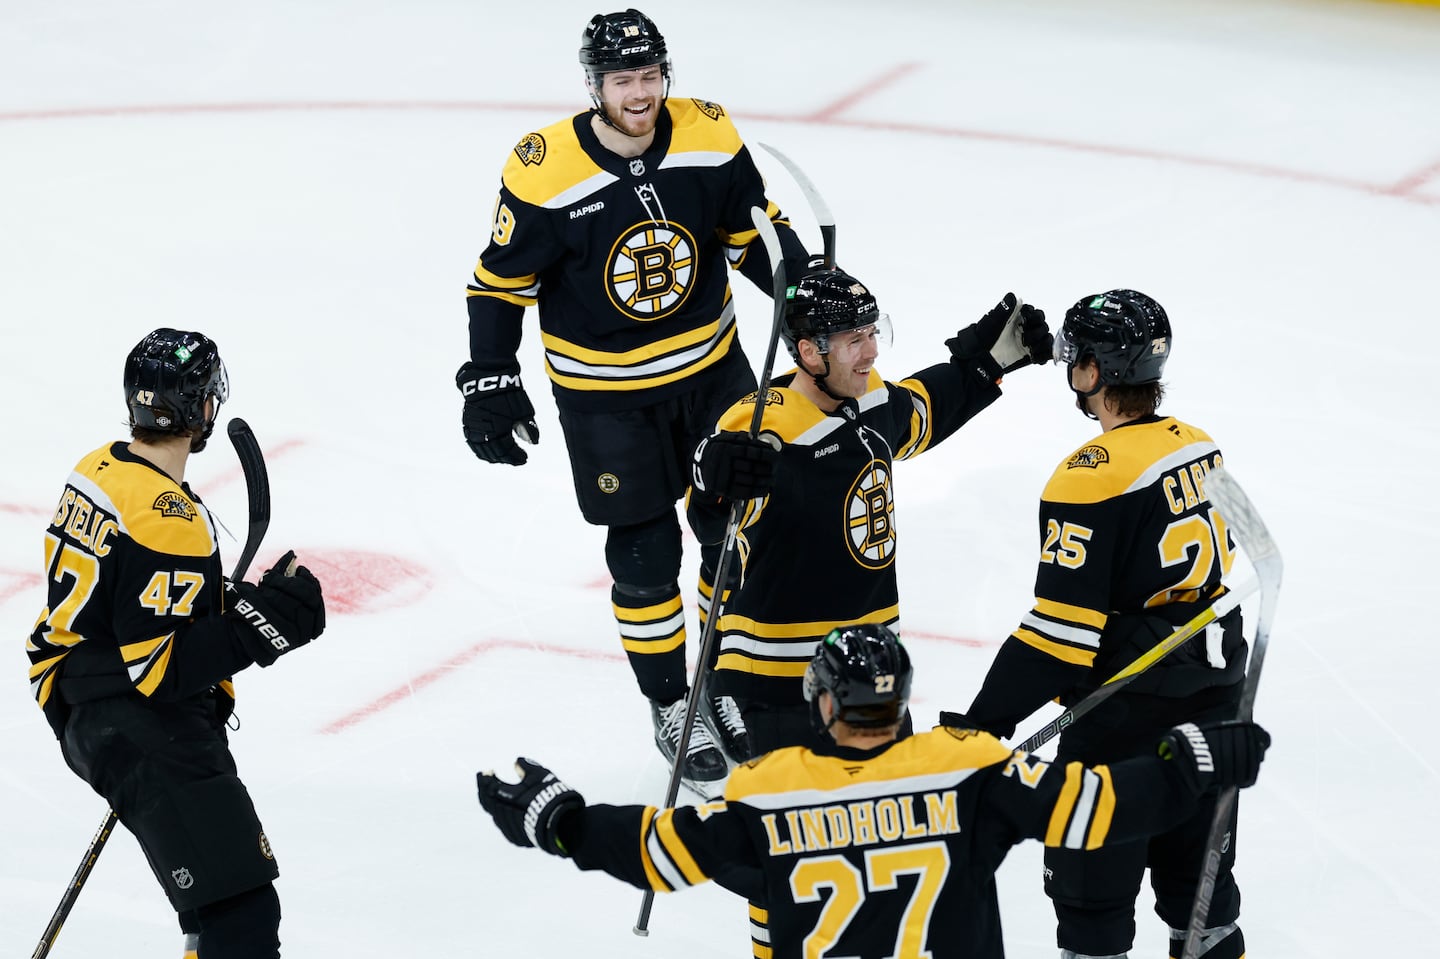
(653, 629)
(42, 677)
(1061, 651)
(782, 649)
(920, 434)
(146, 661)
(1129, 458)
(667, 861)
(608, 379)
(760, 932)
(1083, 812)
(634, 358)
(522, 291)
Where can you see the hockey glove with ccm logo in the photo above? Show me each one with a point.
(736, 465)
(1216, 754)
(529, 812)
(496, 406)
(1014, 334)
(283, 612)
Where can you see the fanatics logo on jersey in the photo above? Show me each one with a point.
(608, 482)
(531, 150)
(182, 877)
(712, 110)
(1089, 457)
(171, 503)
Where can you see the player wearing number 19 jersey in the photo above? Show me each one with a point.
(1130, 549)
(621, 225)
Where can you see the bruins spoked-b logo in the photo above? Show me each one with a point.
(651, 270)
(531, 149)
(171, 503)
(869, 517)
(608, 483)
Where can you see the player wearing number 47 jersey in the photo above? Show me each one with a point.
(1130, 549)
(132, 655)
(872, 845)
(621, 224)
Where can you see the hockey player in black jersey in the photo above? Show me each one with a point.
(619, 224)
(820, 506)
(1129, 549)
(131, 657)
(869, 845)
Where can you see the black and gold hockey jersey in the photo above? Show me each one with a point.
(134, 591)
(1127, 537)
(883, 852)
(819, 551)
(625, 256)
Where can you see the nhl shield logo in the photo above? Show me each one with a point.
(637, 167)
(531, 150)
(182, 877)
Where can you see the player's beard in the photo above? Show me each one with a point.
(631, 125)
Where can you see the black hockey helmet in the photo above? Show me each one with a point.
(824, 303)
(168, 377)
(621, 41)
(866, 672)
(1126, 332)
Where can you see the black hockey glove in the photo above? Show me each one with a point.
(953, 720)
(736, 465)
(1014, 334)
(283, 612)
(496, 406)
(529, 812)
(1216, 754)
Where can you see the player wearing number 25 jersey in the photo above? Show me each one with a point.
(1130, 549)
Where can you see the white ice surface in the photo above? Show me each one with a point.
(310, 183)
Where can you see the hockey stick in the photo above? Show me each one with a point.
(732, 531)
(257, 488)
(818, 206)
(1250, 530)
(1144, 661)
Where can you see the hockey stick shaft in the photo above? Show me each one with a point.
(257, 490)
(818, 206)
(1144, 661)
(727, 552)
(1245, 522)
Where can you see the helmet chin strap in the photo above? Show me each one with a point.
(819, 379)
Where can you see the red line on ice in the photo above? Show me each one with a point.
(416, 683)
(1405, 190)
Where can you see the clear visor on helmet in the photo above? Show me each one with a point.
(851, 345)
(1067, 351)
(219, 385)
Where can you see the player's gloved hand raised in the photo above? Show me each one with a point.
(1216, 754)
(529, 812)
(496, 406)
(283, 612)
(736, 465)
(1014, 334)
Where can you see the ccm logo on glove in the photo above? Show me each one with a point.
(497, 381)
